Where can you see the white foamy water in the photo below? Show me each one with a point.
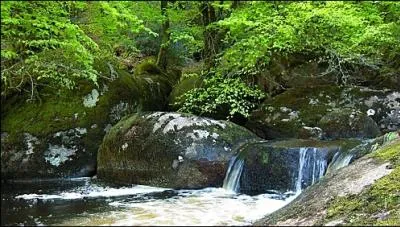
(93, 191)
(198, 207)
(209, 206)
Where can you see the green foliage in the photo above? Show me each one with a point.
(354, 32)
(40, 43)
(115, 25)
(226, 96)
(55, 43)
(187, 82)
(186, 31)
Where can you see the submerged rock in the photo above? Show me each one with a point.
(169, 150)
(60, 137)
(339, 113)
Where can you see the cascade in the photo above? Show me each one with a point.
(340, 160)
(232, 178)
(311, 167)
(302, 156)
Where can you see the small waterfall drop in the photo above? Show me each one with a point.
(302, 156)
(302, 166)
(340, 160)
(311, 167)
(232, 177)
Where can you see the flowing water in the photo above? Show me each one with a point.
(87, 201)
(312, 167)
(84, 201)
(232, 178)
(340, 160)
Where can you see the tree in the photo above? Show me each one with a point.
(210, 35)
(40, 45)
(165, 37)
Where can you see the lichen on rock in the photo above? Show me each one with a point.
(57, 155)
(288, 114)
(72, 120)
(91, 99)
(205, 145)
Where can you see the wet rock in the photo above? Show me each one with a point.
(310, 132)
(355, 186)
(275, 166)
(169, 150)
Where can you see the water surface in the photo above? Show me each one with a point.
(85, 201)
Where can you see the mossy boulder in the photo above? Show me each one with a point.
(345, 123)
(364, 193)
(60, 136)
(297, 112)
(169, 150)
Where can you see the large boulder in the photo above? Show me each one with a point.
(345, 123)
(60, 136)
(305, 112)
(169, 150)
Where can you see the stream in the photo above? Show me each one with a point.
(87, 201)
(90, 201)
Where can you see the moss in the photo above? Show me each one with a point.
(147, 65)
(299, 99)
(64, 110)
(264, 158)
(377, 205)
(56, 112)
(267, 120)
(121, 127)
(311, 104)
(389, 152)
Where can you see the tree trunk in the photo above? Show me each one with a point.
(165, 35)
(235, 4)
(210, 35)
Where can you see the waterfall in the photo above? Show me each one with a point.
(300, 167)
(312, 166)
(302, 156)
(232, 177)
(340, 160)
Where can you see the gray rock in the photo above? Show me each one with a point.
(169, 150)
(288, 115)
(346, 123)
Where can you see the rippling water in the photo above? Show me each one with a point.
(83, 201)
